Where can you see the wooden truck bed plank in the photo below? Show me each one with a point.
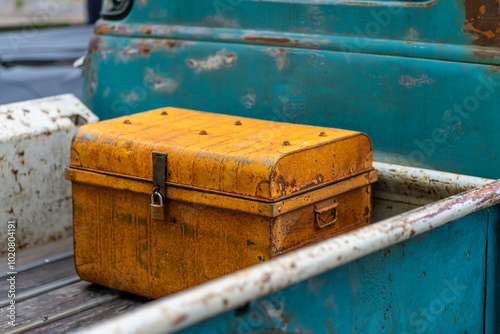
(50, 297)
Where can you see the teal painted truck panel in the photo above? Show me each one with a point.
(421, 78)
(419, 112)
(432, 283)
(428, 264)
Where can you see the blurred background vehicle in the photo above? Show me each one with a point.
(39, 42)
(43, 67)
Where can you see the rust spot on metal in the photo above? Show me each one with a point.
(482, 21)
(10, 117)
(171, 44)
(412, 233)
(102, 28)
(94, 43)
(145, 49)
(423, 274)
(265, 39)
(147, 30)
(486, 54)
(180, 319)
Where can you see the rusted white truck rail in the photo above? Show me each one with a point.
(186, 308)
(35, 138)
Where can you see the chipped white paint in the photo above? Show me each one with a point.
(180, 310)
(35, 138)
(248, 101)
(418, 186)
(410, 82)
(221, 59)
(280, 57)
(161, 82)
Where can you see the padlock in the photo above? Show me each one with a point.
(157, 210)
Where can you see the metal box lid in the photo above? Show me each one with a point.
(242, 156)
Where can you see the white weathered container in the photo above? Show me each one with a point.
(35, 140)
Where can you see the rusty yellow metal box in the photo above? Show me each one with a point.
(169, 198)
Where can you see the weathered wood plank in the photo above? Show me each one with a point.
(41, 275)
(55, 300)
(90, 317)
(58, 300)
(38, 252)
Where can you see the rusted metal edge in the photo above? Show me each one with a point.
(420, 186)
(416, 3)
(322, 42)
(178, 311)
(225, 200)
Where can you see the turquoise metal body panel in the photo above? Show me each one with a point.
(433, 283)
(421, 78)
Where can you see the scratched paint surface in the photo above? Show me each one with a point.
(35, 138)
(432, 283)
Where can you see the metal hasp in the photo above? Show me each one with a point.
(159, 179)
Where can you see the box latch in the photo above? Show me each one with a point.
(159, 193)
(325, 213)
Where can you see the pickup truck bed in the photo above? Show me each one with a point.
(51, 298)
